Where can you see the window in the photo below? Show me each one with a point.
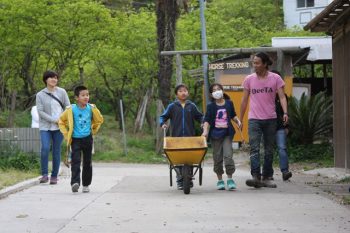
(305, 3)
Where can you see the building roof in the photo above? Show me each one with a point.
(320, 46)
(336, 13)
(297, 53)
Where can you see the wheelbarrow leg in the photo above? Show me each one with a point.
(200, 175)
(171, 175)
(187, 177)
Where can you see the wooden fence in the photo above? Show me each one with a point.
(24, 139)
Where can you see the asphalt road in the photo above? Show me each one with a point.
(129, 198)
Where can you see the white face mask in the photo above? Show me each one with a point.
(217, 94)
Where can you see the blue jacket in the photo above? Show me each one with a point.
(182, 119)
(210, 116)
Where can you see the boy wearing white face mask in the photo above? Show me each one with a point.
(218, 127)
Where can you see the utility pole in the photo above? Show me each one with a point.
(204, 56)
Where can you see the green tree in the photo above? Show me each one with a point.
(127, 64)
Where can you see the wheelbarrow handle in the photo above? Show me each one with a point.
(240, 132)
(164, 132)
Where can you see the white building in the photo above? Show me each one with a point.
(300, 12)
(320, 46)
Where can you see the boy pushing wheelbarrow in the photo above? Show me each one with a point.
(182, 114)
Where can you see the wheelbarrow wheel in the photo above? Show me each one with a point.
(187, 177)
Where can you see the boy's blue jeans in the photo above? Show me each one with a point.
(56, 137)
(281, 142)
(256, 130)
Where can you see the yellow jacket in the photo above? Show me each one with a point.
(65, 122)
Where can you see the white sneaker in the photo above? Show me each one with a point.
(75, 187)
(86, 189)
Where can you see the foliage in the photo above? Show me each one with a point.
(311, 118)
(22, 120)
(344, 180)
(17, 159)
(113, 50)
(109, 145)
(229, 24)
(312, 152)
(127, 62)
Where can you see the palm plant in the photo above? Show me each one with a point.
(311, 118)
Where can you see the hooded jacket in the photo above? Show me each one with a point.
(182, 118)
(66, 122)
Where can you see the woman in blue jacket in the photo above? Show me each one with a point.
(219, 129)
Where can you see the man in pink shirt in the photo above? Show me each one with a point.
(261, 87)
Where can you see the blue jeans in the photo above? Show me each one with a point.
(56, 138)
(256, 130)
(281, 141)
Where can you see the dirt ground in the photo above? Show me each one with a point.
(333, 185)
(329, 182)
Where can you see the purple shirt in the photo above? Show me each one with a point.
(262, 95)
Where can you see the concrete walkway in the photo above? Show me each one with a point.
(130, 198)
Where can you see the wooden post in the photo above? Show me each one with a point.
(142, 112)
(123, 126)
(325, 77)
(280, 59)
(178, 69)
(159, 131)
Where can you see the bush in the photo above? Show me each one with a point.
(14, 158)
(311, 118)
(312, 152)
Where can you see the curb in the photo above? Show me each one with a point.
(18, 187)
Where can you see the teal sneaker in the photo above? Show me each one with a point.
(231, 185)
(220, 185)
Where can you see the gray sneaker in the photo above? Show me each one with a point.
(254, 182)
(75, 187)
(268, 183)
(286, 176)
(86, 189)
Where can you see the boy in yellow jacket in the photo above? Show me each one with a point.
(78, 123)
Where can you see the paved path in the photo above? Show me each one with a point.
(129, 198)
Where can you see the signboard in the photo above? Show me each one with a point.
(229, 65)
(242, 66)
(232, 88)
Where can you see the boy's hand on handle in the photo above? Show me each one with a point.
(164, 126)
(205, 133)
(285, 119)
(239, 123)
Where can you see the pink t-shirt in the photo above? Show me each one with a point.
(262, 95)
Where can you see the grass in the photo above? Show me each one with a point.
(346, 200)
(109, 146)
(12, 176)
(345, 180)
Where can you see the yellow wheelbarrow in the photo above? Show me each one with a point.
(186, 153)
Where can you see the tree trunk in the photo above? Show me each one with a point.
(81, 75)
(29, 86)
(11, 117)
(167, 12)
